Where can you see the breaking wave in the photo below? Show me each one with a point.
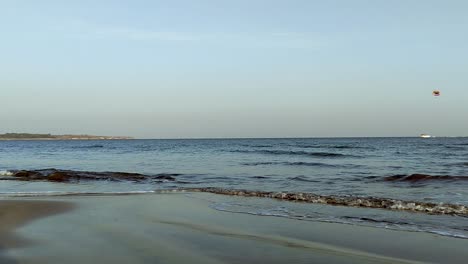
(334, 200)
(352, 201)
(5, 173)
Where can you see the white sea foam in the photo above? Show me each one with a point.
(6, 173)
(448, 233)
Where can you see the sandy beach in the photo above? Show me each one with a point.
(182, 228)
(16, 213)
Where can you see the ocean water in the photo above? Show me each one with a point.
(381, 168)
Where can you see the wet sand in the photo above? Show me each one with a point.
(14, 214)
(182, 228)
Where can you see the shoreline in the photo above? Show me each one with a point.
(182, 228)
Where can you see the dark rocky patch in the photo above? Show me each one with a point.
(58, 177)
(25, 175)
(55, 175)
(166, 176)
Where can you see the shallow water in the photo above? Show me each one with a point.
(377, 167)
(182, 228)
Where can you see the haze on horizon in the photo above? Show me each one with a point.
(262, 68)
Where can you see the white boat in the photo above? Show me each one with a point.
(425, 136)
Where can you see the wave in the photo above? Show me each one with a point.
(455, 164)
(89, 147)
(372, 220)
(285, 163)
(55, 175)
(334, 200)
(346, 147)
(166, 176)
(6, 173)
(321, 146)
(302, 178)
(295, 153)
(257, 146)
(456, 147)
(301, 164)
(259, 177)
(393, 224)
(350, 201)
(424, 177)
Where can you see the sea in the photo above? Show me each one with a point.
(430, 172)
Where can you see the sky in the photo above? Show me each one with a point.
(244, 68)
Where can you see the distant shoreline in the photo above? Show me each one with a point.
(59, 139)
(27, 136)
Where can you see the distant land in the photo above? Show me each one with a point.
(28, 136)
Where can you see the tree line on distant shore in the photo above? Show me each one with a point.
(25, 135)
(19, 136)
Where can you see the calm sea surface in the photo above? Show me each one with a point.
(327, 166)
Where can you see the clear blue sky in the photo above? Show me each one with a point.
(244, 68)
